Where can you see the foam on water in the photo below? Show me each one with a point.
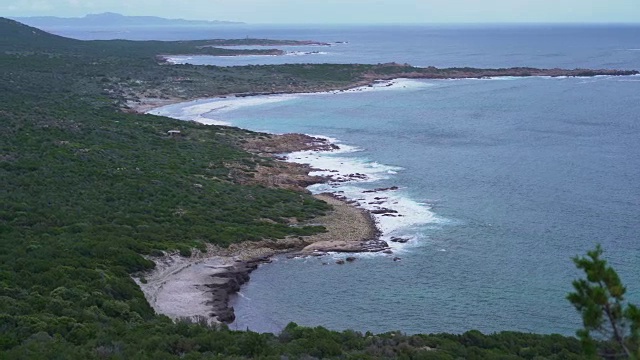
(184, 59)
(204, 110)
(189, 59)
(304, 53)
(354, 178)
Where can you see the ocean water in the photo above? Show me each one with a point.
(501, 181)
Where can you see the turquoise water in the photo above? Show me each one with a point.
(501, 181)
(523, 173)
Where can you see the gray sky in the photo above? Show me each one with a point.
(344, 11)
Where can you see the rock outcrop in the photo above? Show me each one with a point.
(227, 282)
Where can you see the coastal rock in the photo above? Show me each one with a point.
(226, 282)
(383, 211)
(393, 188)
(397, 258)
(225, 315)
(351, 259)
(373, 245)
(399, 240)
(340, 262)
(287, 143)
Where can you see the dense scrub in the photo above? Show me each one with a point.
(86, 189)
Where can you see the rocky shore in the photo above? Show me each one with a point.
(201, 286)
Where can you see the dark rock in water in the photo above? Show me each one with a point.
(228, 282)
(381, 189)
(383, 211)
(225, 315)
(388, 252)
(340, 262)
(351, 259)
(375, 245)
(397, 259)
(399, 240)
(224, 283)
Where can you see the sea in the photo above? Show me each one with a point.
(500, 182)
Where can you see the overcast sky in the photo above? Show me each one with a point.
(344, 11)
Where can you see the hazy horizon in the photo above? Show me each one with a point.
(348, 11)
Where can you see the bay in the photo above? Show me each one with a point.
(511, 177)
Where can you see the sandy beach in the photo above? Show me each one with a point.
(233, 101)
(182, 287)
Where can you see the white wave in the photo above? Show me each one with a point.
(396, 84)
(181, 60)
(353, 178)
(340, 168)
(303, 53)
(203, 111)
(343, 148)
(499, 78)
(177, 60)
(239, 293)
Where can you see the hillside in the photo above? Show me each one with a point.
(91, 193)
(15, 35)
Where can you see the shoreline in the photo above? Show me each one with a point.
(229, 268)
(201, 287)
(146, 104)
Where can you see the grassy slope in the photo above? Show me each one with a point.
(86, 189)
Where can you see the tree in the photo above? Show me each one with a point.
(611, 325)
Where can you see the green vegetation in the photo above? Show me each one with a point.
(600, 300)
(87, 189)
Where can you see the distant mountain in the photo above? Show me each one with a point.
(112, 19)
